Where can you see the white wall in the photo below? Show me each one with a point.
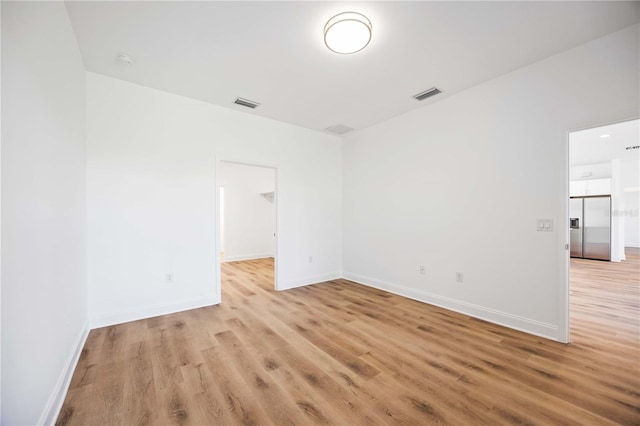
(249, 224)
(44, 289)
(632, 219)
(616, 220)
(631, 192)
(459, 184)
(151, 197)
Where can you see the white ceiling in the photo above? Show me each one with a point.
(273, 52)
(588, 147)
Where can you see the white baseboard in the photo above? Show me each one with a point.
(538, 328)
(246, 257)
(151, 311)
(316, 279)
(54, 404)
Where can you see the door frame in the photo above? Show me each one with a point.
(564, 329)
(276, 263)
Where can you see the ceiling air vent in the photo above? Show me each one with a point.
(338, 129)
(427, 94)
(246, 103)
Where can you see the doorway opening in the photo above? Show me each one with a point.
(604, 232)
(247, 232)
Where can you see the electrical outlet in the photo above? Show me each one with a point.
(310, 259)
(459, 277)
(422, 270)
(168, 277)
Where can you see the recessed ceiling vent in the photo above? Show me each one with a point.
(246, 103)
(427, 94)
(338, 129)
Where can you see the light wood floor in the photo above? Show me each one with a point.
(340, 353)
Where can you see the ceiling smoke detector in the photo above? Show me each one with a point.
(338, 129)
(123, 58)
(246, 103)
(427, 94)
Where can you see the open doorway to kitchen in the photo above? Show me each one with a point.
(247, 220)
(604, 234)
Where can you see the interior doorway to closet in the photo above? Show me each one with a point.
(247, 227)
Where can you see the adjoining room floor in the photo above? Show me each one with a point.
(605, 302)
(341, 353)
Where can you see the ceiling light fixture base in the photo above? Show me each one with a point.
(347, 33)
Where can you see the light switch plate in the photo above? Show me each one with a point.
(545, 225)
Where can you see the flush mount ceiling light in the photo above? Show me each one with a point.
(605, 136)
(347, 32)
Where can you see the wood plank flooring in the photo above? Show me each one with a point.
(344, 354)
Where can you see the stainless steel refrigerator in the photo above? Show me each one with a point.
(590, 227)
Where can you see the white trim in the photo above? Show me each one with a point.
(538, 328)
(607, 123)
(247, 257)
(54, 404)
(217, 243)
(316, 279)
(564, 332)
(144, 312)
(1, 211)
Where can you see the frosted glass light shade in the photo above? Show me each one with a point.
(347, 32)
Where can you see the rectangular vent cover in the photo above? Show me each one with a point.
(246, 103)
(427, 94)
(338, 129)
